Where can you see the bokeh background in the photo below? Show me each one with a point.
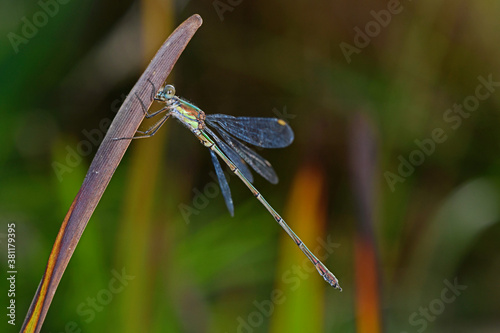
(397, 191)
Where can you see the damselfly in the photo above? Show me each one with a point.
(260, 132)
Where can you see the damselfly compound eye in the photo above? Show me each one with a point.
(169, 91)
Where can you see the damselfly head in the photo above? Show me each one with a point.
(168, 92)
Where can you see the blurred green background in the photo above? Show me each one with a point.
(395, 166)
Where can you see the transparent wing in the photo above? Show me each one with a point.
(261, 132)
(224, 186)
(233, 156)
(257, 162)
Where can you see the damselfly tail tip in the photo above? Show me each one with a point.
(336, 285)
(332, 280)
